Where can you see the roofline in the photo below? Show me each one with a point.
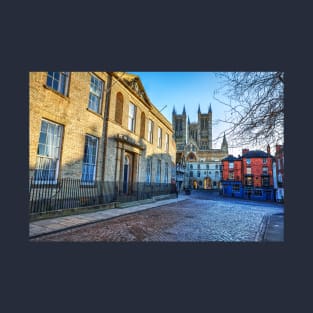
(152, 108)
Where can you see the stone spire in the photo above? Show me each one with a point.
(199, 111)
(210, 108)
(224, 144)
(184, 110)
(174, 111)
(188, 120)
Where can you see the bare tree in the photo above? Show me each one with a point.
(255, 102)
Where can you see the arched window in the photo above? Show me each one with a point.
(142, 125)
(119, 108)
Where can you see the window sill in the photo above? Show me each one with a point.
(93, 112)
(57, 92)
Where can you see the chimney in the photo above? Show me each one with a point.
(244, 151)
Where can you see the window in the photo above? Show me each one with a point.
(208, 166)
(131, 117)
(231, 165)
(95, 94)
(216, 167)
(159, 137)
(198, 173)
(278, 162)
(258, 192)
(48, 153)
(90, 158)
(236, 188)
(249, 170)
(148, 170)
(58, 81)
(231, 175)
(265, 181)
(248, 181)
(119, 108)
(248, 161)
(198, 166)
(264, 160)
(158, 172)
(265, 170)
(191, 166)
(166, 174)
(204, 124)
(166, 142)
(178, 127)
(150, 131)
(191, 173)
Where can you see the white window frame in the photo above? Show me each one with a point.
(159, 137)
(131, 117)
(58, 83)
(265, 170)
(48, 152)
(150, 131)
(95, 94)
(94, 164)
(249, 170)
(167, 142)
(231, 165)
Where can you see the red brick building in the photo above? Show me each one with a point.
(249, 176)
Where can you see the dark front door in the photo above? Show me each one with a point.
(126, 174)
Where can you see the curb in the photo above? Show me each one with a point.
(262, 229)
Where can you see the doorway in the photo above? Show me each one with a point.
(207, 183)
(126, 174)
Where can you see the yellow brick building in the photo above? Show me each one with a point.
(97, 126)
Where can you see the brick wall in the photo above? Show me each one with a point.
(71, 112)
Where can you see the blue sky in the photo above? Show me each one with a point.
(186, 88)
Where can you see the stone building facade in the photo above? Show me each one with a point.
(194, 145)
(97, 126)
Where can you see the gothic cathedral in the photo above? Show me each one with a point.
(194, 149)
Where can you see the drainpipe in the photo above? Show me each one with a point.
(105, 122)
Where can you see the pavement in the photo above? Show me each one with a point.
(53, 225)
(273, 228)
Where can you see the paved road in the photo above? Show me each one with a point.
(205, 216)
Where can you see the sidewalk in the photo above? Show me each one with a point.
(274, 229)
(47, 226)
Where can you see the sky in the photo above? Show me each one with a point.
(169, 89)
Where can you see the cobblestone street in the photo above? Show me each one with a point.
(203, 217)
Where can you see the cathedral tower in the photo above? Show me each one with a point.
(180, 129)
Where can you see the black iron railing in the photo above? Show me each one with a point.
(67, 193)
